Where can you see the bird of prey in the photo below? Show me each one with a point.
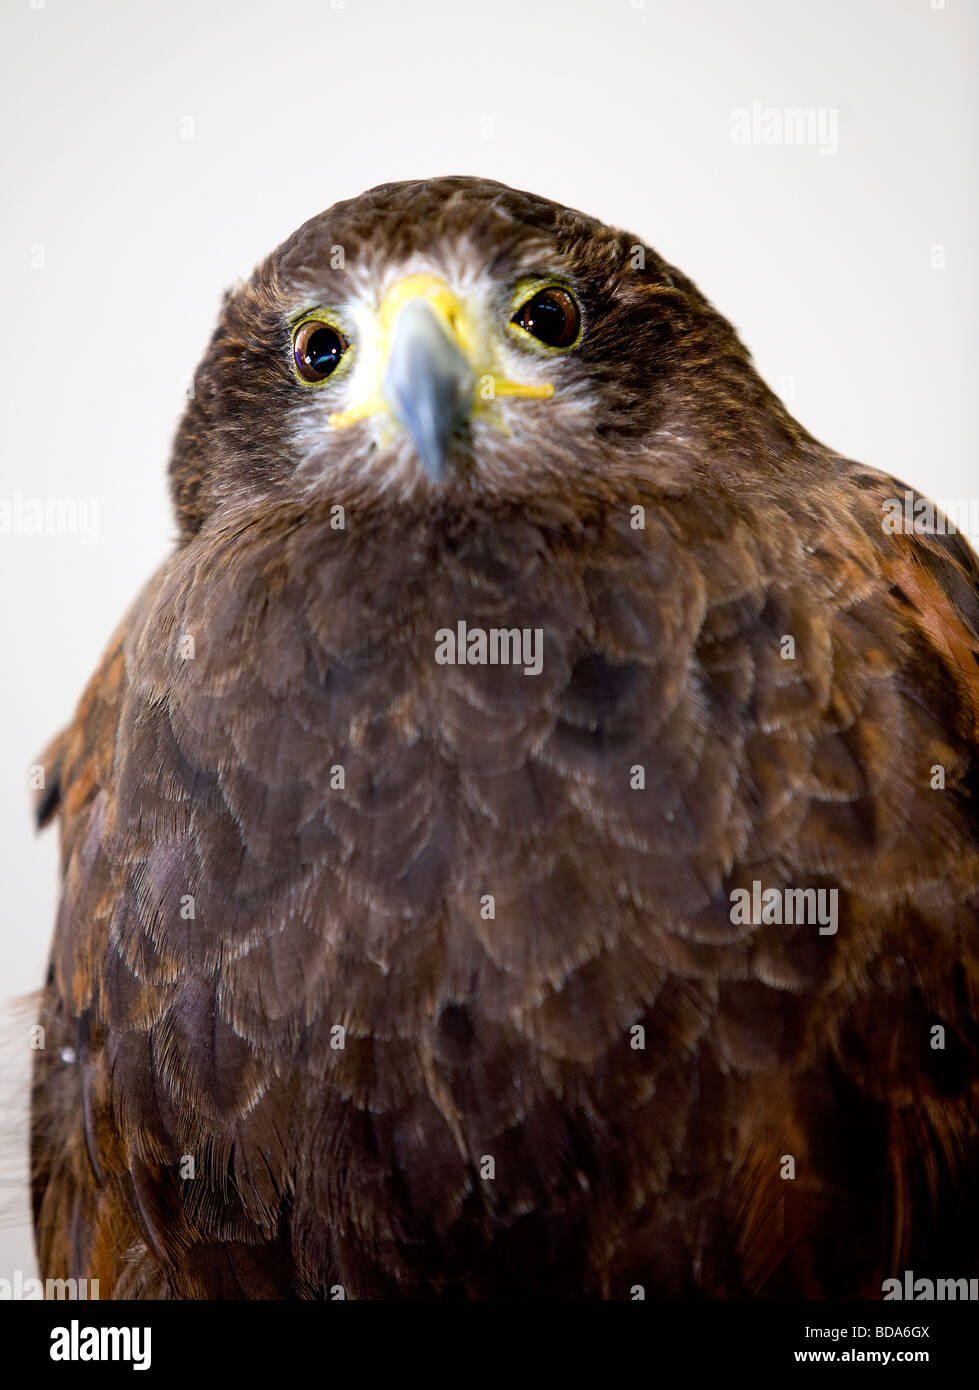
(523, 843)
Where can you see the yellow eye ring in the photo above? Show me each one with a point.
(548, 315)
(319, 348)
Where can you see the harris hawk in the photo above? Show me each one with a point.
(523, 842)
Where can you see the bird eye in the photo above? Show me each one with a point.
(317, 348)
(551, 316)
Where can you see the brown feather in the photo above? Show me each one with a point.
(211, 1035)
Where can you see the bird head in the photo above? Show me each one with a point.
(457, 336)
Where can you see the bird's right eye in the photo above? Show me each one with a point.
(317, 348)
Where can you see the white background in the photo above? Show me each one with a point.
(823, 262)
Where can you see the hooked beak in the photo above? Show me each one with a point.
(428, 381)
(431, 355)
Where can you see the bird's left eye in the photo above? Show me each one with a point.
(317, 348)
(551, 316)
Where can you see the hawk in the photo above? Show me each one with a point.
(523, 843)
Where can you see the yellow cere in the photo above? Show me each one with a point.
(460, 326)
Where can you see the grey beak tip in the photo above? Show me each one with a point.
(428, 383)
